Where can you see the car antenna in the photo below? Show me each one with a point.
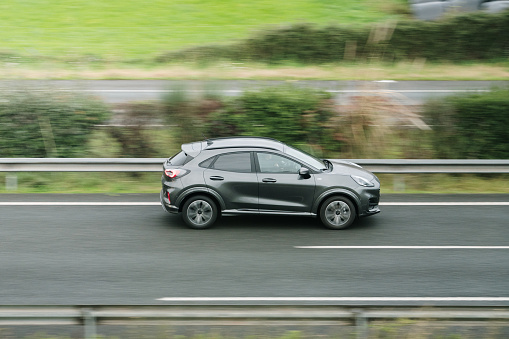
(206, 139)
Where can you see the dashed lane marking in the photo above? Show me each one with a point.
(70, 203)
(455, 203)
(406, 247)
(324, 299)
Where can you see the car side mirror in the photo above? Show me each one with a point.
(304, 172)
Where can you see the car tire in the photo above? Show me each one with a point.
(337, 213)
(199, 212)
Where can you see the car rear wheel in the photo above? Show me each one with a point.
(337, 213)
(199, 212)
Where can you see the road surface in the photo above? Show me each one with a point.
(124, 249)
(119, 91)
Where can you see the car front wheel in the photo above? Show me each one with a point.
(199, 212)
(337, 213)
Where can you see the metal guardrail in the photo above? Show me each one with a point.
(155, 165)
(91, 316)
(81, 164)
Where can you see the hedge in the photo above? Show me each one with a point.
(297, 116)
(471, 36)
(47, 124)
(470, 127)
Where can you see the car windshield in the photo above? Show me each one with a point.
(307, 158)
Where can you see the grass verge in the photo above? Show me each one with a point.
(118, 183)
(409, 70)
(399, 328)
(133, 29)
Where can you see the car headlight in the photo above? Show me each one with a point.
(362, 181)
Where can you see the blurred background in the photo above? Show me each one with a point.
(314, 74)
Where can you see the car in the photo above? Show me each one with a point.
(256, 175)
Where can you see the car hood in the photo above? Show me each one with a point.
(350, 168)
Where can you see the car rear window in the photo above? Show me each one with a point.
(180, 159)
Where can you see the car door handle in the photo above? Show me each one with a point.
(269, 180)
(216, 178)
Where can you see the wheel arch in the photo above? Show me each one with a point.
(341, 193)
(201, 191)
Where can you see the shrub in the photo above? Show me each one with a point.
(47, 124)
(187, 116)
(471, 126)
(471, 36)
(133, 134)
(291, 114)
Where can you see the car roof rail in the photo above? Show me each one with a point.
(242, 142)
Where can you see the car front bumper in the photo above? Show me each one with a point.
(370, 200)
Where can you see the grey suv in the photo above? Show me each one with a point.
(250, 175)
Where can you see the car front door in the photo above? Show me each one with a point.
(232, 175)
(281, 188)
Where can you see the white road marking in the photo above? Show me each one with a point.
(465, 203)
(321, 299)
(410, 91)
(409, 247)
(119, 203)
(68, 203)
(136, 90)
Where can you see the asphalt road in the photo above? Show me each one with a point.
(118, 91)
(99, 249)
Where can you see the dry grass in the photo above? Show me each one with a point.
(417, 70)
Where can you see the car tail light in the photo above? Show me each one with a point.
(172, 173)
(169, 200)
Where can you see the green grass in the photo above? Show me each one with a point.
(124, 29)
(400, 328)
(82, 182)
(114, 39)
(117, 183)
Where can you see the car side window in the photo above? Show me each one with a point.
(233, 162)
(206, 163)
(273, 163)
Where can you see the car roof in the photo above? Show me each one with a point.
(249, 142)
(195, 148)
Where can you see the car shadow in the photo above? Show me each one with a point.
(266, 222)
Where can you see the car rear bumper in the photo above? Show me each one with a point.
(166, 205)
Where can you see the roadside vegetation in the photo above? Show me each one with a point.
(380, 125)
(39, 124)
(400, 328)
(134, 31)
(305, 39)
(375, 126)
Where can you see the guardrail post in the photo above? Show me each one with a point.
(361, 324)
(11, 182)
(89, 323)
(398, 183)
